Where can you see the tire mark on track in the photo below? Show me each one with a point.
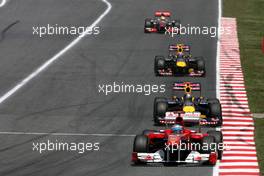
(7, 28)
(24, 142)
(58, 55)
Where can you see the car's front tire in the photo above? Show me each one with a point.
(159, 64)
(218, 139)
(141, 144)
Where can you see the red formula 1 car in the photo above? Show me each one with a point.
(179, 63)
(177, 145)
(193, 109)
(161, 23)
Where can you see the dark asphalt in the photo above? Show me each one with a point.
(65, 99)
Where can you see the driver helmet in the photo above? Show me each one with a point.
(188, 97)
(177, 128)
(180, 49)
(162, 17)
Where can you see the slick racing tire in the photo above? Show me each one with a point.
(148, 24)
(206, 149)
(218, 139)
(141, 144)
(216, 111)
(201, 64)
(159, 64)
(176, 24)
(160, 109)
(213, 100)
(207, 141)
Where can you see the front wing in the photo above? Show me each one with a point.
(155, 30)
(170, 118)
(169, 72)
(158, 157)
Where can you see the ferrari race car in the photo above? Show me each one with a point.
(193, 110)
(179, 63)
(177, 145)
(161, 23)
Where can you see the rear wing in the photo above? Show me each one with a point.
(160, 13)
(180, 48)
(187, 87)
(186, 48)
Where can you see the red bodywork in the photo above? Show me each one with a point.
(162, 23)
(166, 142)
(174, 138)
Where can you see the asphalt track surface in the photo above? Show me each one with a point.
(65, 99)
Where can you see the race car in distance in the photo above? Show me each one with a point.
(180, 50)
(177, 145)
(161, 23)
(192, 109)
(179, 63)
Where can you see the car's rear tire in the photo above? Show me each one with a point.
(160, 109)
(141, 144)
(177, 24)
(213, 100)
(218, 139)
(159, 64)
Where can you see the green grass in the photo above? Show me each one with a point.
(250, 19)
(259, 123)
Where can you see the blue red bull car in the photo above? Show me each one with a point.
(192, 109)
(179, 63)
(162, 23)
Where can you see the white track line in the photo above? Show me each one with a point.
(216, 167)
(66, 134)
(3, 2)
(218, 50)
(55, 57)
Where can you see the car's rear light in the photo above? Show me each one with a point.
(134, 156)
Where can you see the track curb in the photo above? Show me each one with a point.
(239, 158)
